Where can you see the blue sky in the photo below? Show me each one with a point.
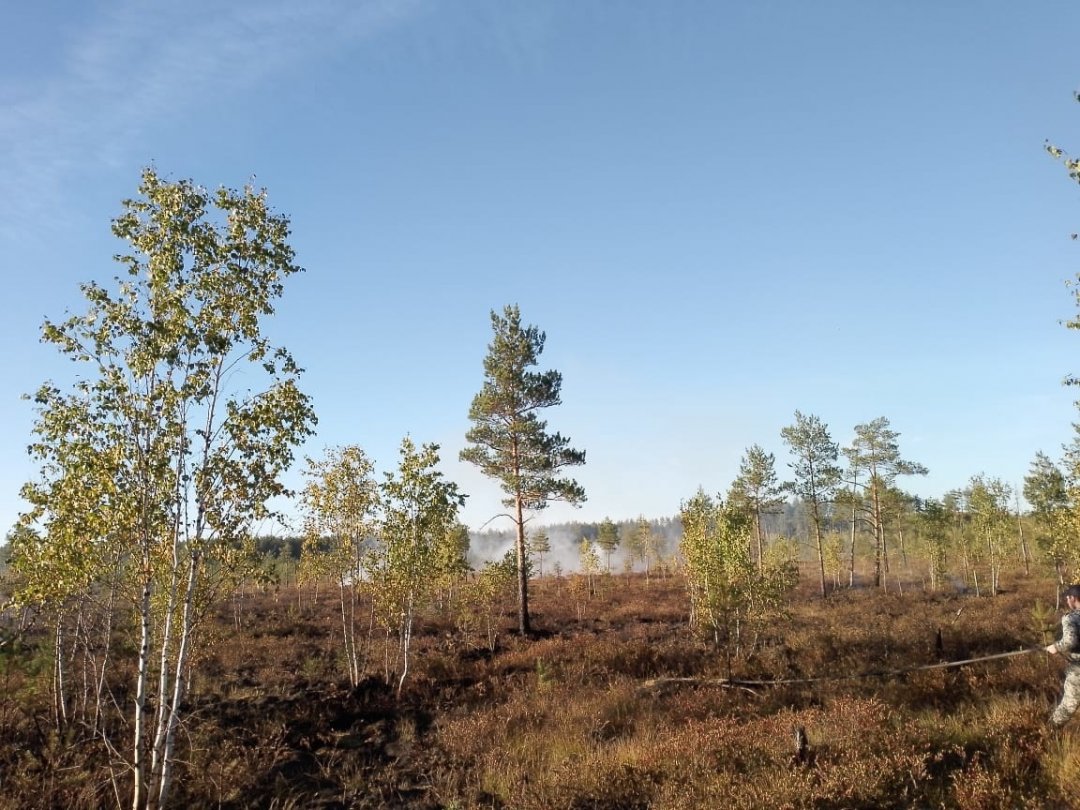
(718, 212)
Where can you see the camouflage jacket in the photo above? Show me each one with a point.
(1069, 645)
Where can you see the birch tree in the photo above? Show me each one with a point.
(1046, 490)
(420, 510)
(341, 502)
(509, 441)
(451, 561)
(727, 590)
(169, 446)
(988, 505)
(963, 537)
(1069, 548)
(642, 545)
(932, 521)
(588, 564)
(483, 598)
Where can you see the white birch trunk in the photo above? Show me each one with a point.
(187, 625)
(143, 676)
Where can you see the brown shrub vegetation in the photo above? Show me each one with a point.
(563, 721)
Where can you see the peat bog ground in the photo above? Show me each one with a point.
(571, 719)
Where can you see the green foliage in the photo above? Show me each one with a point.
(757, 491)
(988, 506)
(963, 537)
(269, 545)
(1042, 621)
(874, 456)
(545, 676)
(832, 544)
(607, 540)
(778, 576)
(452, 552)
(588, 559)
(509, 564)
(1072, 166)
(159, 459)
(152, 443)
(1056, 492)
(340, 502)
(728, 592)
(509, 441)
(816, 473)
(1062, 523)
(932, 523)
(1047, 490)
(643, 545)
(483, 597)
(420, 511)
(538, 545)
(814, 458)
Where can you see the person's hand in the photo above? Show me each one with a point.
(1051, 648)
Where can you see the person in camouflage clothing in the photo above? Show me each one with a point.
(1068, 646)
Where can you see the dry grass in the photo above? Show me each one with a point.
(562, 720)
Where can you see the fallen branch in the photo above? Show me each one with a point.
(739, 683)
(659, 684)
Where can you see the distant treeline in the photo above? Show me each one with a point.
(788, 521)
(493, 544)
(286, 548)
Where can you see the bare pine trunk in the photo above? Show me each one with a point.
(522, 578)
(820, 550)
(854, 514)
(884, 546)
(881, 566)
(760, 542)
(851, 558)
(1024, 555)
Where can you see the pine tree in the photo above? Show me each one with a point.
(876, 452)
(757, 490)
(607, 540)
(511, 443)
(816, 473)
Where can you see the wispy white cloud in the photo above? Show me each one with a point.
(138, 65)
